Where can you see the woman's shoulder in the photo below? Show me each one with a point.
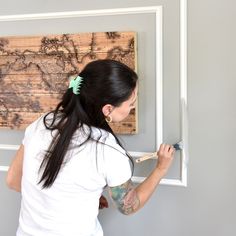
(109, 141)
(36, 124)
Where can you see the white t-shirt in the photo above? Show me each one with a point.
(70, 206)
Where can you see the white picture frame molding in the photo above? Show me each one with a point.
(157, 10)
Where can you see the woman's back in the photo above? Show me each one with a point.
(70, 206)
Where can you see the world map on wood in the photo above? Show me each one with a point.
(35, 70)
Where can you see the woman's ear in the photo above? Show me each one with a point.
(107, 109)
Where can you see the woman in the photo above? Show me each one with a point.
(70, 155)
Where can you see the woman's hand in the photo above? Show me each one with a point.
(165, 157)
(103, 202)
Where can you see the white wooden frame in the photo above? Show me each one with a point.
(157, 10)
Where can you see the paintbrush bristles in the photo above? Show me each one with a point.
(178, 146)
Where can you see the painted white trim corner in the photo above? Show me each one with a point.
(7, 147)
(157, 10)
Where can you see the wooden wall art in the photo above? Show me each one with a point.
(34, 71)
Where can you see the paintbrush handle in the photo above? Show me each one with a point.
(178, 146)
(144, 158)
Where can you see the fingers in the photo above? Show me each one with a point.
(166, 149)
(165, 157)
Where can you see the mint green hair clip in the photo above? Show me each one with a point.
(75, 84)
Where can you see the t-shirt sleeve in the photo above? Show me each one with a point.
(117, 166)
(29, 131)
(26, 135)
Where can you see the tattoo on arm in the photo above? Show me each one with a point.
(125, 197)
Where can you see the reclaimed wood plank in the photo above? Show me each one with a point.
(34, 71)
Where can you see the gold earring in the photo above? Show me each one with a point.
(108, 119)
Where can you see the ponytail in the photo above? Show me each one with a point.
(102, 82)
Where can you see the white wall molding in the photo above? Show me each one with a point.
(157, 10)
(10, 148)
(84, 13)
(4, 168)
(183, 90)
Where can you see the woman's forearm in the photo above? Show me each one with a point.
(129, 198)
(148, 186)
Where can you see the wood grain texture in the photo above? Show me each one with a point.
(34, 72)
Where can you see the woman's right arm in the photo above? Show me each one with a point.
(129, 198)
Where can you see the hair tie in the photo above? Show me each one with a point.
(75, 84)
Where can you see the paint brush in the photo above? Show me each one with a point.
(178, 146)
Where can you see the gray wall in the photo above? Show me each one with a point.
(207, 206)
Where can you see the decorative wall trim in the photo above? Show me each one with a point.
(157, 10)
(75, 14)
(9, 147)
(4, 168)
(183, 90)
